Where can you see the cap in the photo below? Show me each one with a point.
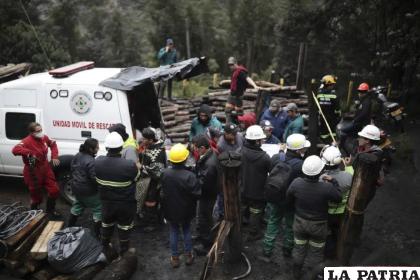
(266, 124)
(274, 105)
(169, 41)
(291, 107)
(232, 60)
(230, 128)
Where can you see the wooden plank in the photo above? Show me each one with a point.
(13, 240)
(39, 250)
(25, 246)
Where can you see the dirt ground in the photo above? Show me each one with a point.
(391, 233)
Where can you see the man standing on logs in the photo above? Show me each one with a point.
(330, 106)
(310, 198)
(254, 171)
(116, 178)
(37, 172)
(166, 56)
(238, 84)
(332, 158)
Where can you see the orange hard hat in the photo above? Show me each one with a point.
(363, 87)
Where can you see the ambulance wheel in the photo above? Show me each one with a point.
(65, 187)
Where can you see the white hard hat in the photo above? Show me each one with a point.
(370, 132)
(297, 141)
(312, 166)
(254, 132)
(331, 155)
(113, 140)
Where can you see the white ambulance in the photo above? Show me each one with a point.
(71, 106)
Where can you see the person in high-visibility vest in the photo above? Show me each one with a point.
(332, 158)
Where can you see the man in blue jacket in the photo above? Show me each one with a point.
(277, 117)
(166, 56)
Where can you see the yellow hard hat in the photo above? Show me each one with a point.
(178, 153)
(329, 80)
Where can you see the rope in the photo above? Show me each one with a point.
(13, 218)
(36, 34)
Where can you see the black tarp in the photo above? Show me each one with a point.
(132, 77)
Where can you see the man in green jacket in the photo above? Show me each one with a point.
(295, 121)
(166, 56)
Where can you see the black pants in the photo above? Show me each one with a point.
(205, 219)
(120, 214)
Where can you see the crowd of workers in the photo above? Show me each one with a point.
(137, 181)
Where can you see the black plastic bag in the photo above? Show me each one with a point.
(74, 248)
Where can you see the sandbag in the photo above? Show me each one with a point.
(74, 248)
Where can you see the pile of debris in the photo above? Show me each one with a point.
(178, 114)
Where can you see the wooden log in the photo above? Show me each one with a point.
(179, 135)
(367, 167)
(121, 270)
(27, 243)
(169, 110)
(231, 162)
(182, 140)
(219, 93)
(169, 124)
(182, 113)
(168, 118)
(181, 119)
(46, 273)
(39, 250)
(15, 239)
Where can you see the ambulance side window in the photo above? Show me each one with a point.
(17, 125)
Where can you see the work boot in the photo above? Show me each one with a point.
(189, 258)
(50, 209)
(72, 220)
(254, 224)
(175, 261)
(34, 206)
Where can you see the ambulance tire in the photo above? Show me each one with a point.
(63, 177)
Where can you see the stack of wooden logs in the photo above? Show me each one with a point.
(178, 114)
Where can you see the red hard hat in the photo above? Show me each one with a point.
(363, 87)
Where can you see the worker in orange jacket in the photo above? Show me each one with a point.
(37, 172)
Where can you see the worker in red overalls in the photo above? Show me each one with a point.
(37, 172)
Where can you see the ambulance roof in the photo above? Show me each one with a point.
(86, 77)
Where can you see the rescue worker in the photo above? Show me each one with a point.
(152, 162)
(268, 130)
(254, 171)
(231, 140)
(277, 117)
(180, 191)
(37, 172)
(238, 84)
(297, 146)
(295, 121)
(330, 106)
(130, 146)
(116, 178)
(207, 173)
(310, 198)
(83, 185)
(332, 158)
(363, 115)
(166, 56)
(204, 120)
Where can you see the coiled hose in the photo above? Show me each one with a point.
(14, 217)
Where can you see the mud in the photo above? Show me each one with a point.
(391, 233)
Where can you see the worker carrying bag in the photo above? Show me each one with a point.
(74, 248)
(277, 183)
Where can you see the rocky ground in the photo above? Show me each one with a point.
(391, 233)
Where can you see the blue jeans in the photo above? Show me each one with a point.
(174, 234)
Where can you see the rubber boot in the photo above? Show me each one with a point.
(50, 209)
(72, 220)
(97, 229)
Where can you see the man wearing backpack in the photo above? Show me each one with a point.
(289, 166)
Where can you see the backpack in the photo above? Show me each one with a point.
(277, 182)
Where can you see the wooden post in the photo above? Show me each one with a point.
(231, 163)
(349, 93)
(299, 72)
(363, 189)
(313, 118)
(260, 102)
(215, 78)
